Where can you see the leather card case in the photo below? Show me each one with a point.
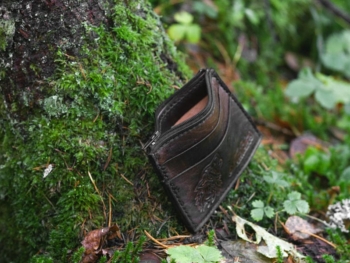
(203, 141)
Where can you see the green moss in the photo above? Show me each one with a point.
(89, 128)
(7, 30)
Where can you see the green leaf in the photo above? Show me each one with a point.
(183, 17)
(269, 212)
(336, 55)
(294, 204)
(177, 32)
(276, 179)
(257, 214)
(200, 254)
(325, 98)
(185, 254)
(345, 176)
(209, 254)
(302, 206)
(311, 163)
(347, 108)
(300, 88)
(294, 195)
(258, 204)
(252, 17)
(193, 33)
(205, 9)
(290, 207)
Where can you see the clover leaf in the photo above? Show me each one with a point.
(294, 204)
(260, 210)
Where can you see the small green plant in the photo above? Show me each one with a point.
(130, 254)
(308, 259)
(336, 55)
(340, 240)
(292, 205)
(295, 205)
(78, 255)
(260, 210)
(211, 238)
(327, 90)
(279, 253)
(184, 29)
(328, 259)
(41, 259)
(200, 254)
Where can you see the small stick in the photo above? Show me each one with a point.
(96, 189)
(155, 240)
(318, 237)
(174, 237)
(122, 175)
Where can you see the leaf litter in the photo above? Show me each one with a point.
(271, 241)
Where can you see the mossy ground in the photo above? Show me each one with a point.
(97, 111)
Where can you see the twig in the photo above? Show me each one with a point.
(174, 238)
(126, 179)
(108, 159)
(316, 219)
(110, 210)
(335, 10)
(98, 192)
(318, 237)
(155, 240)
(273, 126)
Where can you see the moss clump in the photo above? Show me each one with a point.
(89, 128)
(7, 30)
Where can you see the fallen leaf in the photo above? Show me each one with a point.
(299, 228)
(241, 251)
(271, 241)
(94, 241)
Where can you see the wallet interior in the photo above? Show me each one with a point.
(191, 105)
(198, 107)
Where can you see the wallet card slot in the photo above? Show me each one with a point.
(188, 149)
(222, 138)
(183, 101)
(169, 146)
(202, 187)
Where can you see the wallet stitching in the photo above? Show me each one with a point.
(177, 102)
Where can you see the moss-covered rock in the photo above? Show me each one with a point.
(72, 126)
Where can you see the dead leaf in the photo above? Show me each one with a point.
(299, 228)
(271, 241)
(94, 241)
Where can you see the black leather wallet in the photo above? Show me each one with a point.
(203, 141)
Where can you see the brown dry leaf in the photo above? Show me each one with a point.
(299, 228)
(94, 241)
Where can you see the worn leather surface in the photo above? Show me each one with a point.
(200, 159)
